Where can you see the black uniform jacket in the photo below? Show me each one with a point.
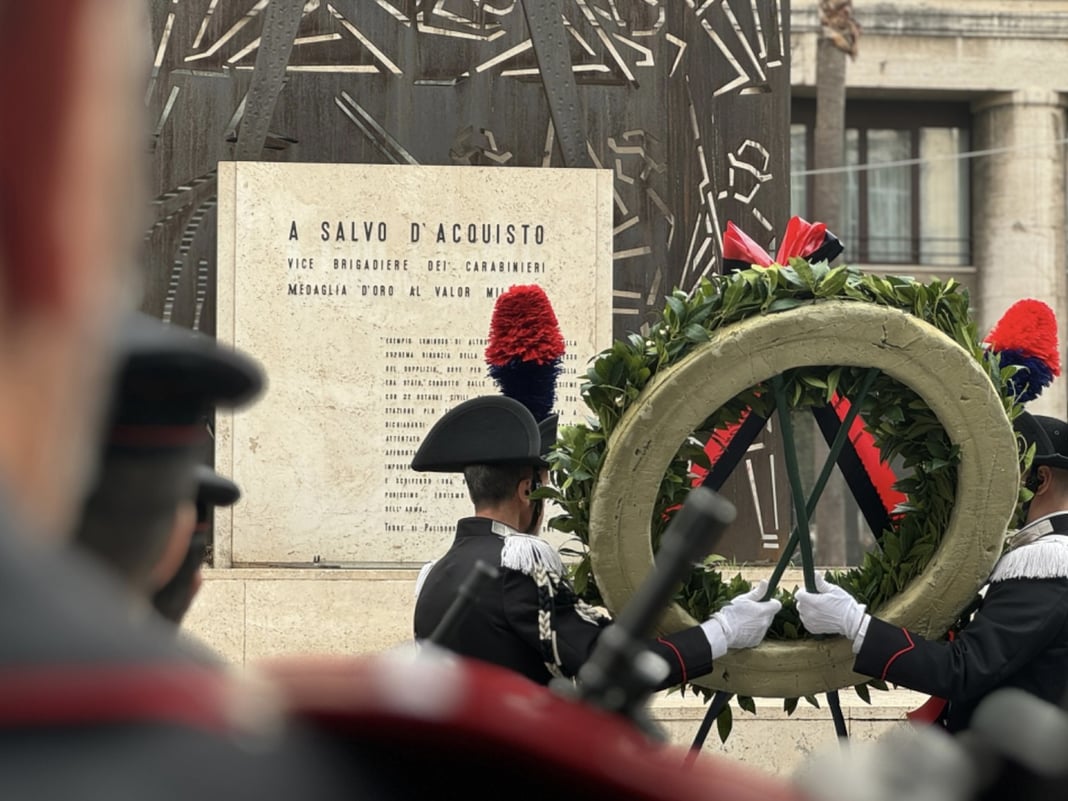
(502, 627)
(1018, 638)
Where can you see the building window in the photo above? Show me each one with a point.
(907, 196)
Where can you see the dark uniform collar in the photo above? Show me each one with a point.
(482, 527)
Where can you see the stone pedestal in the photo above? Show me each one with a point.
(248, 614)
(1019, 218)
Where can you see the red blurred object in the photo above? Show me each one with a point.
(421, 719)
(185, 695)
(37, 43)
(473, 717)
(928, 712)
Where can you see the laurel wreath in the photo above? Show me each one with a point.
(900, 422)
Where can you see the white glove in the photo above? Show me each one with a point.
(831, 610)
(742, 623)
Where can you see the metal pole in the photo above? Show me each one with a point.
(717, 705)
(836, 714)
(821, 481)
(793, 472)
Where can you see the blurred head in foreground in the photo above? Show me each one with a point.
(71, 197)
(140, 514)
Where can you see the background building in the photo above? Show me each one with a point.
(964, 105)
(954, 165)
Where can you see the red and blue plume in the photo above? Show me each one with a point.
(525, 351)
(1026, 337)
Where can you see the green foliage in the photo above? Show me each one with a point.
(724, 723)
(899, 420)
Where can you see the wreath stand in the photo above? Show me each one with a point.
(800, 535)
(758, 351)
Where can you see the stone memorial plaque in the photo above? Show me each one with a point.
(366, 291)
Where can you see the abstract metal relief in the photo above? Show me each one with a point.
(686, 101)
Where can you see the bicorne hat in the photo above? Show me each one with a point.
(490, 430)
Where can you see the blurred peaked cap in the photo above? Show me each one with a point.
(168, 380)
(490, 430)
(215, 490)
(185, 363)
(1049, 436)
